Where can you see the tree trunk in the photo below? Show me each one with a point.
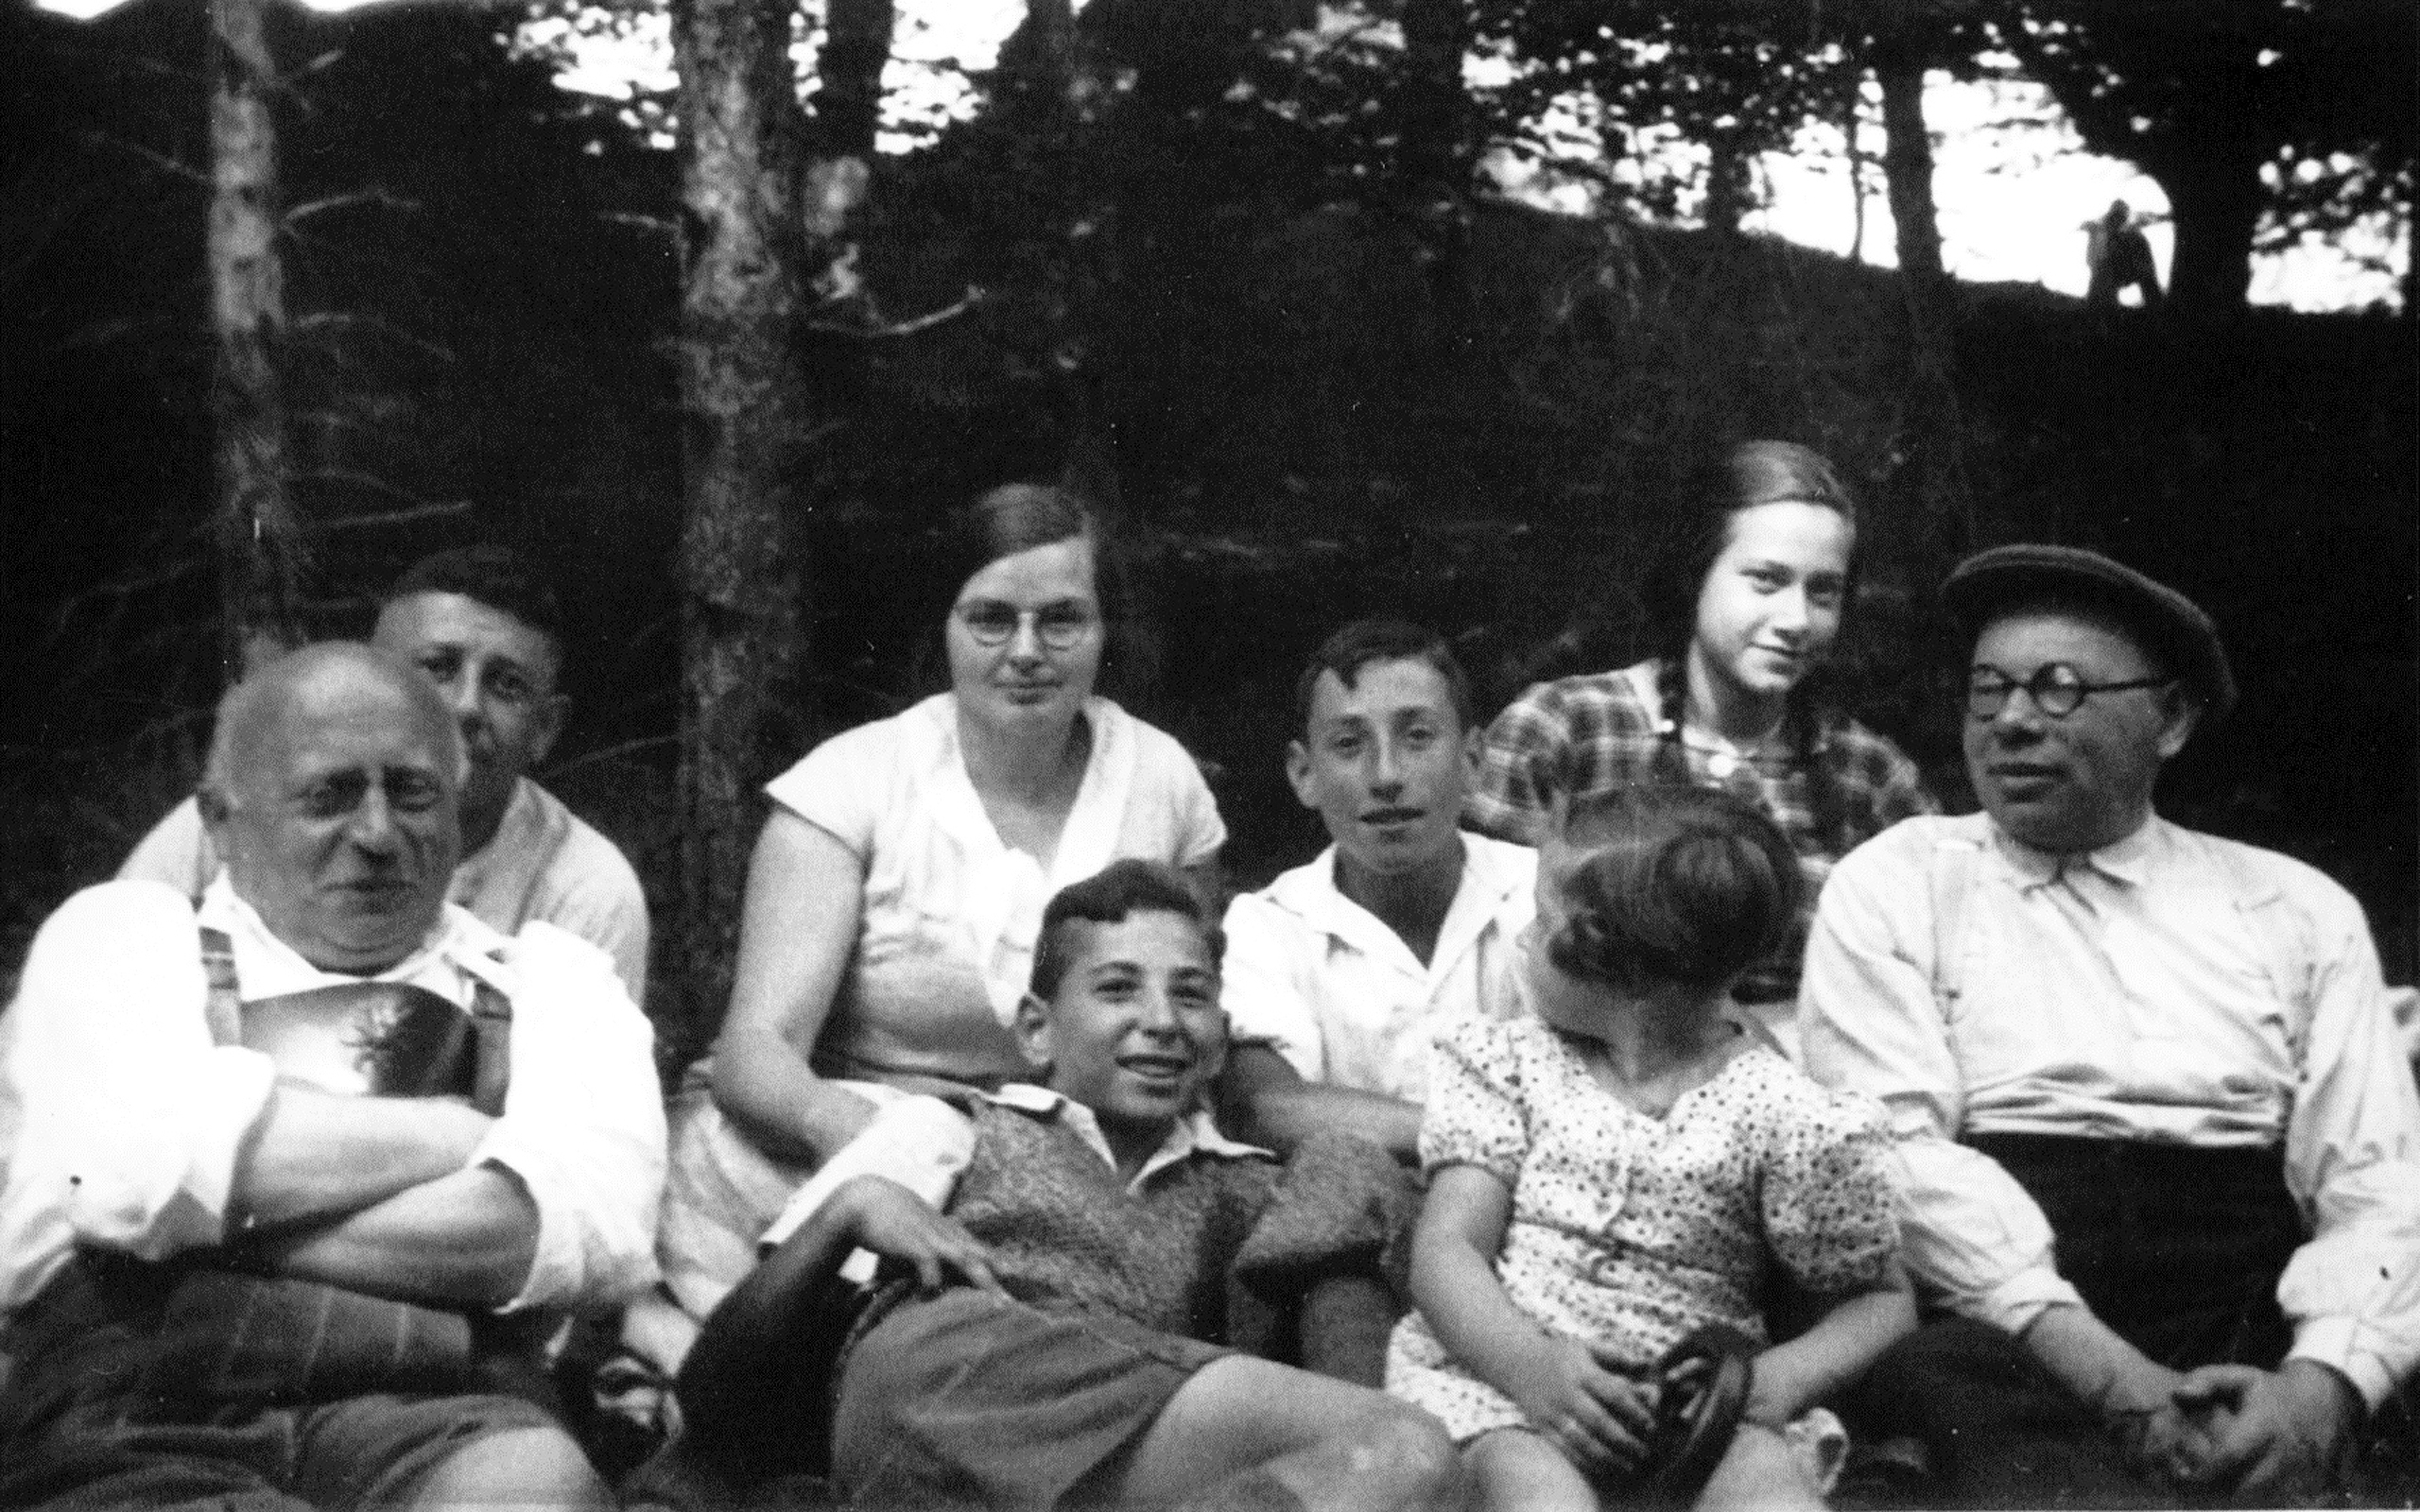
(1727, 185)
(1039, 58)
(1436, 108)
(2214, 202)
(1932, 426)
(1907, 163)
(748, 421)
(856, 48)
(259, 542)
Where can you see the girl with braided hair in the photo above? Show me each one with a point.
(1751, 594)
(1622, 1167)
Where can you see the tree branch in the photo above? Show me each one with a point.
(974, 296)
(364, 196)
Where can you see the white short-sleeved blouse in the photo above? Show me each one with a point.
(947, 905)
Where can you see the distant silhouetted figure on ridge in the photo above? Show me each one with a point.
(2119, 255)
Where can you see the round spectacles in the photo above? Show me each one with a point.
(1056, 627)
(2057, 689)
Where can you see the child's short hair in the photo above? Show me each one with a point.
(1679, 884)
(1109, 896)
(1358, 644)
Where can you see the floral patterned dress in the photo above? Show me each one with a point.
(1629, 1231)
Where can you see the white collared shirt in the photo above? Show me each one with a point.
(122, 1123)
(2129, 993)
(924, 1144)
(948, 906)
(1320, 980)
(544, 861)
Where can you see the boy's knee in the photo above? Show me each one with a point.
(532, 1466)
(1401, 1441)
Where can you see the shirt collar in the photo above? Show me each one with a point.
(2126, 860)
(1488, 880)
(270, 967)
(1194, 1134)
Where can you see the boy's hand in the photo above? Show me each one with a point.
(895, 1223)
(1602, 1420)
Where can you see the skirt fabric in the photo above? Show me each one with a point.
(970, 1399)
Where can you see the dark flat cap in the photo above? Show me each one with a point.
(2170, 626)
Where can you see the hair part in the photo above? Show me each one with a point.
(1672, 885)
(1748, 476)
(1020, 517)
(1364, 641)
(1117, 891)
(504, 579)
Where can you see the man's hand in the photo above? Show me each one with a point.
(881, 1216)
(2274, 1437)
(1599, 1420)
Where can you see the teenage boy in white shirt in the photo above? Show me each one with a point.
(1338, 972)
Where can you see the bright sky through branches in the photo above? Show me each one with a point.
(2011, 180)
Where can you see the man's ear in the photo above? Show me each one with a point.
(1474, 743)
(1032, 1029)
(547, 725)
(213, 803)
(1298, 773)
(2184, 717)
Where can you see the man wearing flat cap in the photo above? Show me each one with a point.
(2160, 1152)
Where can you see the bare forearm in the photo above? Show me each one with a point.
(765, 1087)
(1457, 1292)
(463, 1239)
(1849, 1337)
(2087, 1357)
(314, 1155)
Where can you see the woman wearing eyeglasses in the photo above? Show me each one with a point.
(897, 888)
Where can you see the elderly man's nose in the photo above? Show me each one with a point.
(373, 825)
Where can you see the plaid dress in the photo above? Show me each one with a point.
(1595, 733)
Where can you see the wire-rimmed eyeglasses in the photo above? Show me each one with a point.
(1058, 627)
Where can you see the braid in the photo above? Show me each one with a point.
(1806, 717)
(1671, 762)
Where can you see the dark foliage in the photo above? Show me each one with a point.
(1211, 299)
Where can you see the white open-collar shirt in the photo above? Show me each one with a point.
(122, 1122)
(1327, 985)
(2129, 993)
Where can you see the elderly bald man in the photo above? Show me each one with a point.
(293, 1180)
(483, 624)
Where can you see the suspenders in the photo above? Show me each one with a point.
(491, 1021)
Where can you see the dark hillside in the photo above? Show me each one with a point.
(1312, 417)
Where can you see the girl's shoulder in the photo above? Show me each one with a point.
(1771, 1098)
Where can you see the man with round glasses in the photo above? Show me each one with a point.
(2160, 1151)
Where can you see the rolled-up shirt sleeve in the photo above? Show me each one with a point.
(121, 1122)
(582, 1128)
(1974, 1240)
(2352, 1292)
(1264, 1001)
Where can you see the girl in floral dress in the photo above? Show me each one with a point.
(1625, 1165)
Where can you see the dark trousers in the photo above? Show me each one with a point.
(2179, 1250)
